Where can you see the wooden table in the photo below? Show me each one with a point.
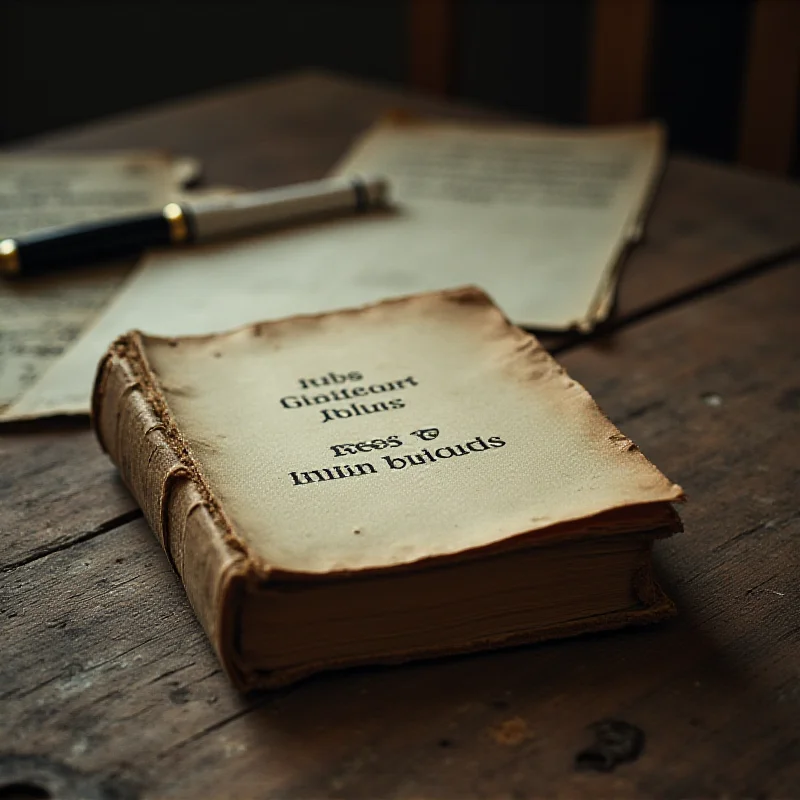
(109, 690)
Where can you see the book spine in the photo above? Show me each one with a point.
(159, 476)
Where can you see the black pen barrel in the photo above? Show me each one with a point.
(58, 249)
(53, 249)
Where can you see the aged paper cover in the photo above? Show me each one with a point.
(538, 216)
(415, 428)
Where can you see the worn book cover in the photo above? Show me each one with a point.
(407, 479)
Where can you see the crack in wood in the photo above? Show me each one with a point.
(58, 546)
(748, 270)
(35, 688)
(171, 672)
(768, 524)
(255, 706)
(76, 669)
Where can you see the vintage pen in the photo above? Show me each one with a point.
(186, 222)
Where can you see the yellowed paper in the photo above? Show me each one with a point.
(537, 216)
(412, 429)
(39, 319)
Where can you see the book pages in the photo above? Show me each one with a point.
(537, 216)
(40, 318)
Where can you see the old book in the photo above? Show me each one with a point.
(402, 480)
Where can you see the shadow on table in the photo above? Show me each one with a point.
(511, 723)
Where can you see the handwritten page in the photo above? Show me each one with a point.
(39, 319)
(538, 217)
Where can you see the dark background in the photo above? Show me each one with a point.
(62, 63)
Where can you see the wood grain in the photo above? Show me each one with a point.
(56, 488)
(768, 136)
(107, 680)
(109, 689)
(708, 221)
(620, 60)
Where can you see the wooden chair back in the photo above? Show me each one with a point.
(620, 67)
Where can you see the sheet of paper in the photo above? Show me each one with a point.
(38, 320)
(536, 216)
(540, 216)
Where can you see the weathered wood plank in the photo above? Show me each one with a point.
(707, 221)
(56, 487)
(106, 673)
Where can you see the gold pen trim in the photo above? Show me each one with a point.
(178, 226)
(9, 258)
